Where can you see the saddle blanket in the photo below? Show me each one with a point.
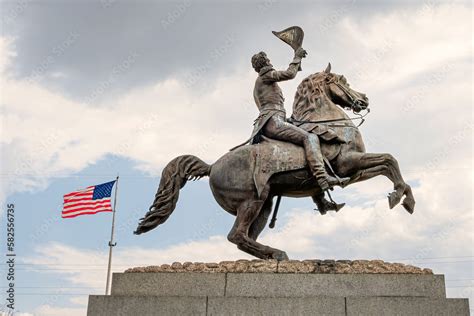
(273, 156)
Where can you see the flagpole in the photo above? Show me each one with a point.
(111, 242)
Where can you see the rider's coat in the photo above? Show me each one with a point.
(268, 95)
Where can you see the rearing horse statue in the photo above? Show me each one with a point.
(245, 181)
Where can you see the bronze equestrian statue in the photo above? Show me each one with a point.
(284, 159)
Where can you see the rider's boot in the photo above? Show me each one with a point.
(316, 163)
(325, 181)
(323, 205)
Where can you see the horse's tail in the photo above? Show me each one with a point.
(174, 177)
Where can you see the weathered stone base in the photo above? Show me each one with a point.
(287, 266)
(289, 288)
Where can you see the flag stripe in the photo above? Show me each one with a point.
(90, 206)
(88, 209)
(75, 209)
(104, 208)
(78, 200)
(79, 192)
(85, 213)
(79, 196)
(84, 202)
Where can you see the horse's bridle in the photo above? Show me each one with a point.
(355, 103)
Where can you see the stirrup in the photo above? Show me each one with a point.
(329, 205)
(334, 207)
(337, 206)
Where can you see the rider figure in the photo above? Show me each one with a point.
(272, 119)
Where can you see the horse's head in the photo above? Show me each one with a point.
(339, 91)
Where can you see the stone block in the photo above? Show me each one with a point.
(101, 305)
(407, 306)
(336, 285)
(251, 306)
(169, 284)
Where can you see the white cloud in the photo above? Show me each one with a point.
(409, 42)
(88, 267)
(46, 134)
(48, 310)
(59, 75)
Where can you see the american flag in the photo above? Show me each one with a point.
(91, 200)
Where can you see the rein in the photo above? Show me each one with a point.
(360, 117)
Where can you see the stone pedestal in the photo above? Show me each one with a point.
(309, 287)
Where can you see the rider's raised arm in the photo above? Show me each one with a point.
(282, 75)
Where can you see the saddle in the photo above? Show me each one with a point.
(273, 156)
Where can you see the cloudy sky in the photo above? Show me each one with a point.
(93, 89)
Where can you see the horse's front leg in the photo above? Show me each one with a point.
(363, 166)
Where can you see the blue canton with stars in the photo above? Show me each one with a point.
(103, 190)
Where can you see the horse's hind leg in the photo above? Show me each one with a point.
(262, 218)
(239, 235)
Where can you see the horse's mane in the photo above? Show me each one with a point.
(307, 94)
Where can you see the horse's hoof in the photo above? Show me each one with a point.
(409, 205)
(393, 199)
(280, 256)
